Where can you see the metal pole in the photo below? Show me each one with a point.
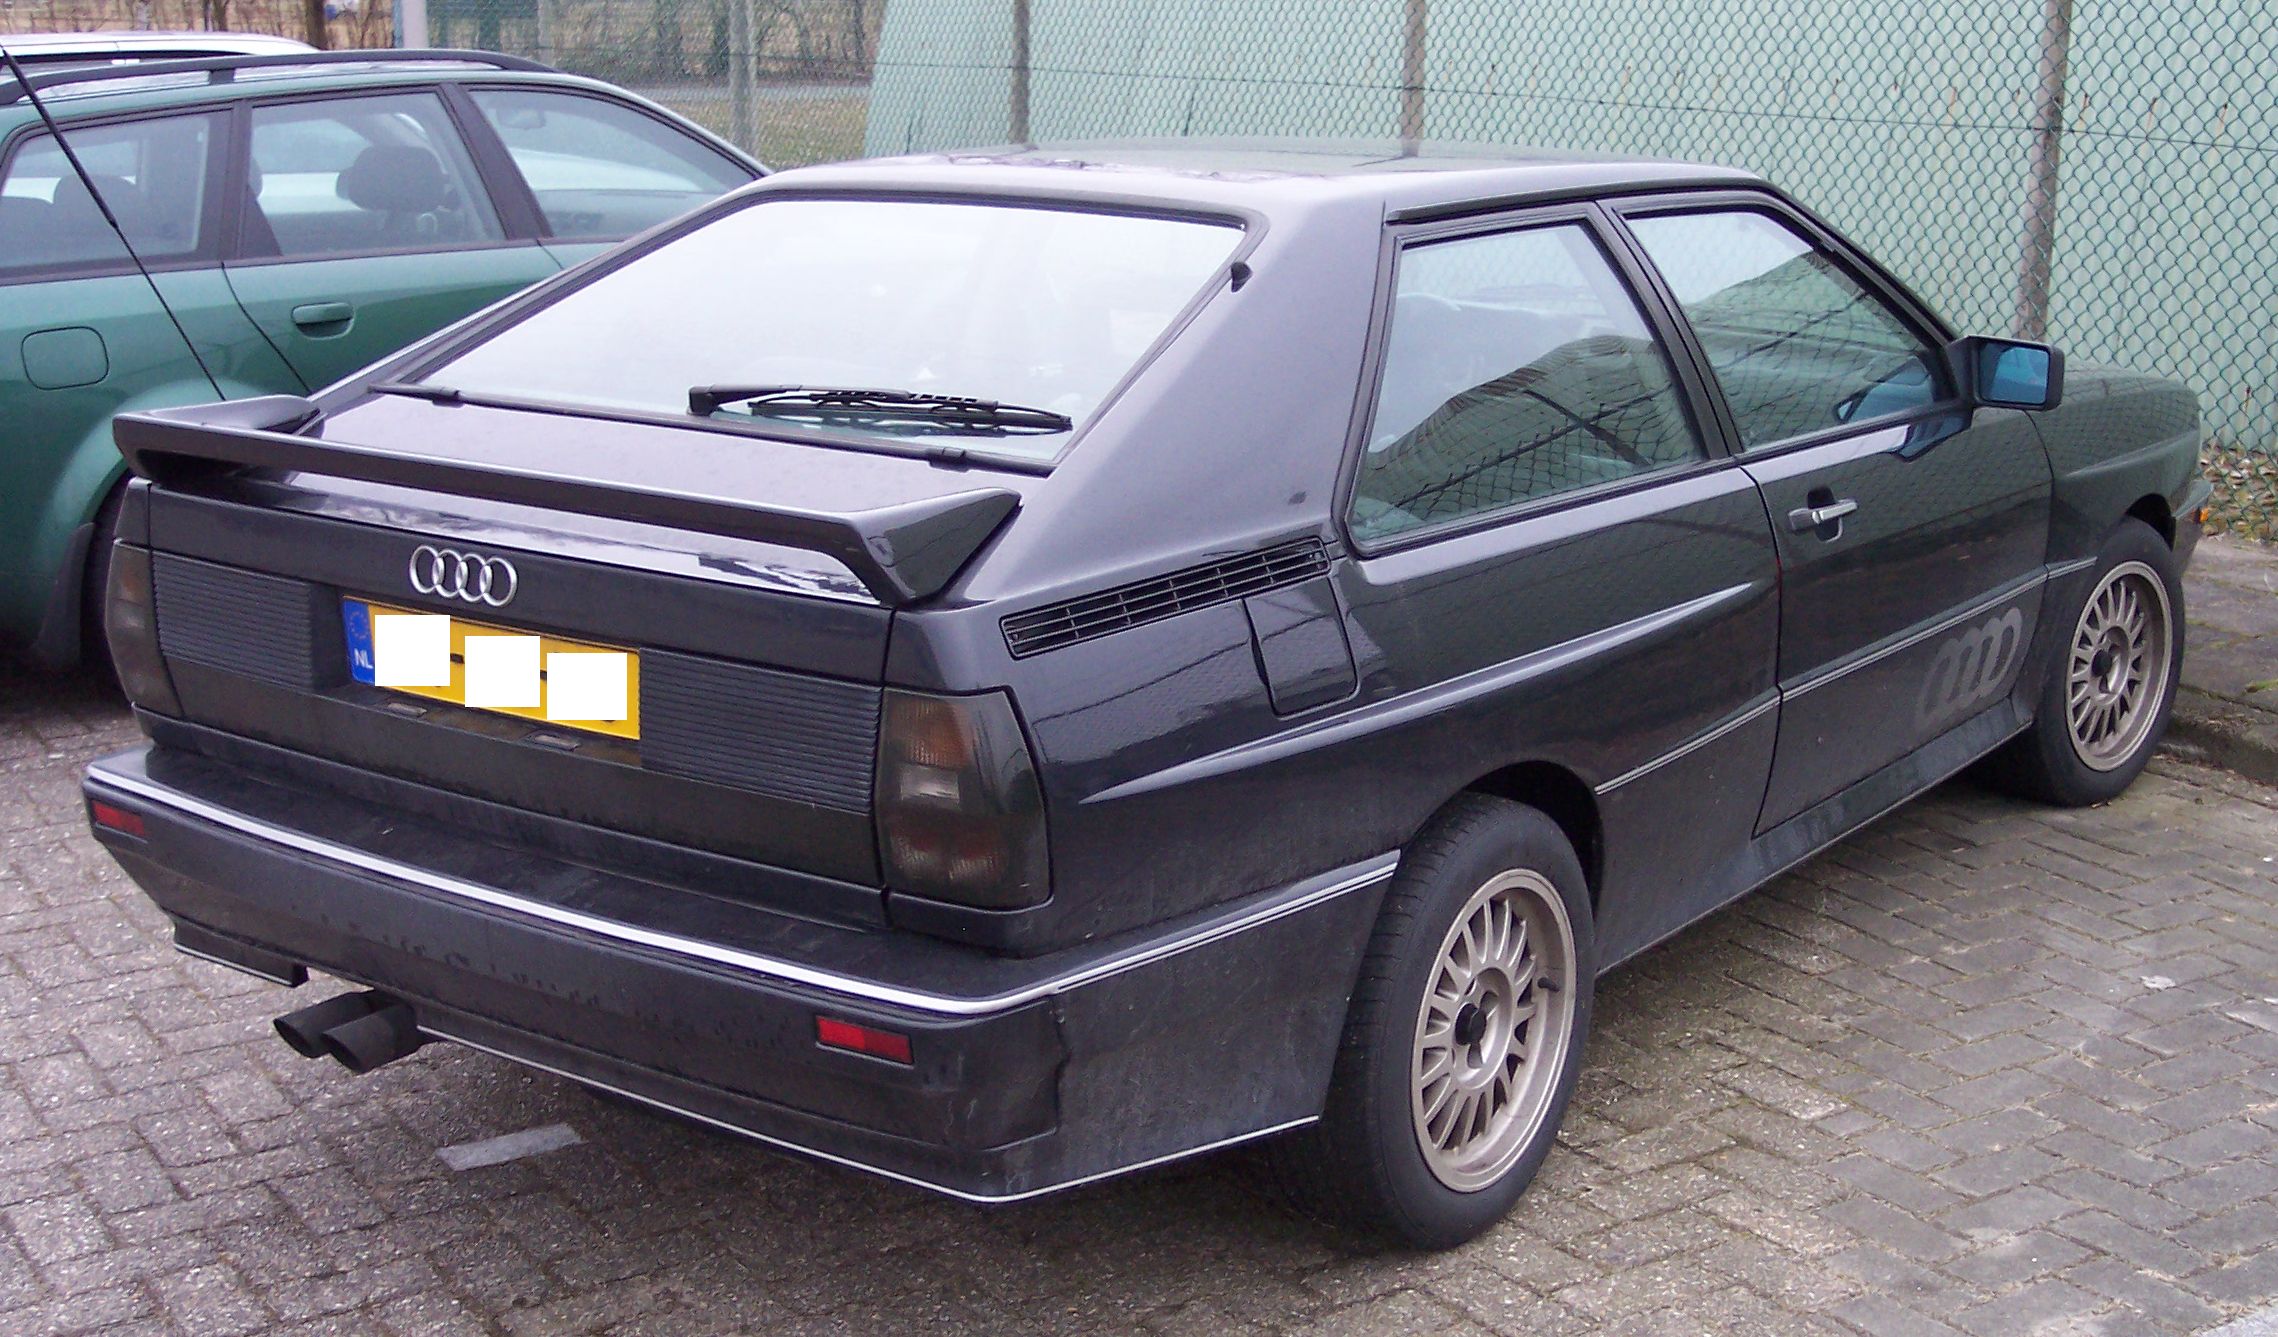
(1412, 44)
(411, 24)
(2041, 171)
(740, 128)
(1019, 108)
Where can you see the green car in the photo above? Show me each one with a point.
(303, 216)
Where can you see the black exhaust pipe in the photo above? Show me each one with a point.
(304, 1030)
(378, 1037)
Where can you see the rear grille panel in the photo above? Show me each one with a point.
(749, 761)
(1159, 597)
(263, 627)
(809, 740)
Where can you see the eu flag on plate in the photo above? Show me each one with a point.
(356, 618)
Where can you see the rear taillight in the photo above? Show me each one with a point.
(960, 816)
(130, 625)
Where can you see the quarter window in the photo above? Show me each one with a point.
(349, 176)
(1798, 345)
(1517, 366)
(151, 173)
(602, 171)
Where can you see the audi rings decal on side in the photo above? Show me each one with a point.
(466, 576)
(1971, 668)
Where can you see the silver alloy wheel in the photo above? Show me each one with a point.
(1492, 1030)
(2117, 668)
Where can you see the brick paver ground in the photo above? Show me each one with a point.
(1985, 1068)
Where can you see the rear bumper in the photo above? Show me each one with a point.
(1028, 1075)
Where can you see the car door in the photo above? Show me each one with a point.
(82, 335)
(599, 170)
(1912, 531)
(1547, 549)
(363, 224)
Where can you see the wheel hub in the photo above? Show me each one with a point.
(2118, 666)
(1490, 1044)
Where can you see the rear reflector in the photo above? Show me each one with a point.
(831, 1033)
(111, 817)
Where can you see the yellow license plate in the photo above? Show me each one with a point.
(357, 616)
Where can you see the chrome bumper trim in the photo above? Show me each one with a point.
(1303, 896)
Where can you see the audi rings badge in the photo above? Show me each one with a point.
(468, 577)
(1971, 668)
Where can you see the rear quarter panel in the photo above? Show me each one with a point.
(57, 460)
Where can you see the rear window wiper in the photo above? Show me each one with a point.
(955, 411)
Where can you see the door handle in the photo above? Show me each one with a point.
(1803, 519)
(313, 315)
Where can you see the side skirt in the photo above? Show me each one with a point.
(1815, 828)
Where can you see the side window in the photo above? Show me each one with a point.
(1797, 343)
(349, 176)
(151, 173)
(602, 171)
(1517, 366)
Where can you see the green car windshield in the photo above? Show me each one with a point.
(1046, 309)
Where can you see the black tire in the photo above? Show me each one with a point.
(2047, 762)
(1364, 1166)
(94, 645)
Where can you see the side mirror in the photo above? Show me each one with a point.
(2008, 373)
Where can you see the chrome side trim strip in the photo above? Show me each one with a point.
(848, 1162)
(1478, 683)
(2014, 590)
(1995, 600)
(1699, 741)
(790, 972)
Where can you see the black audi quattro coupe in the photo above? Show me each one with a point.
(1000, 670)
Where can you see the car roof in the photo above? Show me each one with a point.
(199, 81)
(1408, 179)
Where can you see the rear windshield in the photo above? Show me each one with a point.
(1042, 308)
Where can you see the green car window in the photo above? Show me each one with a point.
(151, 173)
(359, 175)
(1799, 345)
(1517, 366)
(602, 171)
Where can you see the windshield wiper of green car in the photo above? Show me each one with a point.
(951, 411)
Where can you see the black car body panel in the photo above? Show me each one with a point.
(1240, 707)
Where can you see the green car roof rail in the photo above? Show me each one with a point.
(224, 69)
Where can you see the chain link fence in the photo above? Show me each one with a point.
(2101, 172)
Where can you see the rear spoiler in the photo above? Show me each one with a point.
(902, 553)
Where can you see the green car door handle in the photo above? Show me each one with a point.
(324, 318)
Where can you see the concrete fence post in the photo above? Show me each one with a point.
(411, 24)
(1017, 111)
(1412, 43)
(743, 128)
(2041, 170)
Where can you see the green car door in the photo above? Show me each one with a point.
(363, 226)
(82, 337)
